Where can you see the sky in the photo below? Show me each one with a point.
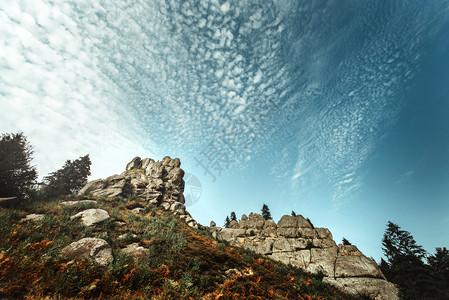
(338, 110)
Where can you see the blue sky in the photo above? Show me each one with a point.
(338, 110)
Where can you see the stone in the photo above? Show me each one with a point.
(78, 202)
(303, 222)
(92, 186)
(289, 244)
(92, 248)
(137, 210)
(138, 252)
(287, 232)
(127, 235)
(287, 221)
(136, 163)
(255, 221)
(372, 288)
(356, 266)
(33, 217)
(325, 258)
(165, 205)
(269, 224)
(234, 224)
(212, 224)
(92, 216)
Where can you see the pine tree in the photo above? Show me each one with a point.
(293, 213)
(17, 176)
(227, 222)
(233, 216)
(404, 265)
(266, 212)
(345, 242)
(69, 179)
(439, 265)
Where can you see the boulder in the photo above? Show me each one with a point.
(287, 221)
(212, 224)
(372, 288)
(136, 163)
(138, 252)
(33, 217)
(255, 221)
(78, 202)
(234, 224)
(92, 216)
(357, 266)
(91, 248)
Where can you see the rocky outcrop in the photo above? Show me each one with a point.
(294, 240)
(95, 249)
(158, 183)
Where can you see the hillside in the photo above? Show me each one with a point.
(128, 248)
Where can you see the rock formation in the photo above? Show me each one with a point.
(293, 240)
(159, 183)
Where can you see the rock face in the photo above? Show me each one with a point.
(156, 182)
(92, 248)
(293, 240)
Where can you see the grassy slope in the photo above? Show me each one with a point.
(182, 263)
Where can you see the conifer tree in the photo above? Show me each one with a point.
(293, 213)
(266, 214)
(404, 265)
(227, 222)
(233, 216)
(69, 179)
(345, 242)
(17, 176)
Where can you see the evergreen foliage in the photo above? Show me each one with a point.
(17, 176)
(439, 266)
(293, 213)
(227, 222)
(266, 214)
(405, 266)
(69, 179)
(346, 242)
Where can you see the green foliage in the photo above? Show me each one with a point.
(346, 242)
(293, 213)
(266, 214)
(69, 179)
(227, 222)
(17, 176)
(439, 265)
(404, 265)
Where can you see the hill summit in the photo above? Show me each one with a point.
(130, 236)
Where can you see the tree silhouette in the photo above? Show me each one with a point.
(17, 176)
(439, 264)
(266, 214)
(69, 179)
(227, 222)
(293, 213)
(233, 216)
(346, 242)
(404, 265)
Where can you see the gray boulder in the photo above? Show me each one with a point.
(92, 216)
(95, 249)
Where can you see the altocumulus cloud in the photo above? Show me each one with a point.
(53, 90)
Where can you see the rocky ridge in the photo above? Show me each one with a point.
(158, 183)
(294, 240)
